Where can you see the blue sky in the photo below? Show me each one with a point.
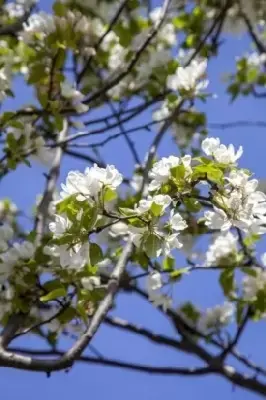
(101, 382)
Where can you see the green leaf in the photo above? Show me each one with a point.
(54, 294)
(252, 75)
(190, 311)
(6, 116)
(156, 209)
(251, 240)
(54, 284)
(192, 205)
(89, 218)
(181, 21)
(109, 194)
(59, 9)
(178, 172)
(240, 306)
(67, 315)
(234, 90)
(82, 310)
(127, 212)
(227, 281)
(177, 274)
(96, 254)
(168, 263)
(141, 259)
(152, 244)
(260, 303)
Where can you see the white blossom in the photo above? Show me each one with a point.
(222, 246)
(176, 221)
(221, 153)
(136, 234)
(60, 225)
(117, 57)
(119, 229)
(6, 232)
(216, 317)
(74, 257)
(189, 78)
(75, 96)
(154, 281)
(161, 170)
(217, 219)
(255, 59)
(41, 23)
(89, 184)
(253, 284)
(171, 242)
(91, 282)
(160, 200)
(160, 300)
(136, 183)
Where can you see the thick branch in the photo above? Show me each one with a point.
(150, 369)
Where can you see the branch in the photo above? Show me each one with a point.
(121, 364)
(154, 337)
(127, 69)
(96, 47)
(16, 320)
(42, 213)
(9, 359)
(13, 29)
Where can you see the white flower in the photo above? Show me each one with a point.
(6, 232)
(227, 155)
(217, 219)
(10, 257)
(136, 234)
(154, 281)
(117, 57)
(69, 92)
(25, 250)
(52, 251)
(177, 222)
(255, 59)
(108, 176)
(162, 113)
(253, 284)
(60, 226)
(156, 14)
(187, 78)
(119, 229)
(240, 180)
(167, 34)
(171, 242)
(221, 153)
(41, 23)
(109, 40)
(43, 154)
(160, 300)
(161, 170)
(216, 317)
(74, 257)
(222, 246)
(160, 200)
(91, 282)
(75, 96)
(89, 184)
(210, 145)
(74, 182)
(136, 184)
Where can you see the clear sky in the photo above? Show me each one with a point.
(88, 382)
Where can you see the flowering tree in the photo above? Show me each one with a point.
(96, 68)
